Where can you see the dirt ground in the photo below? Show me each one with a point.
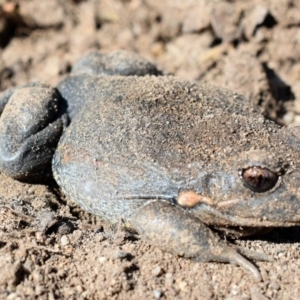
(49, 247)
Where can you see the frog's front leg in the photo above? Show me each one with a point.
(173, 229)
(30, 127)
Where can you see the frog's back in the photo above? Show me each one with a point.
(142, 138)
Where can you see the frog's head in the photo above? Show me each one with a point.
(256, 187)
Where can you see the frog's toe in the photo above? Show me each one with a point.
(30, 127)
(119, 62)
(173, 229)
(237, 259)
(4, 97)
(253, 255)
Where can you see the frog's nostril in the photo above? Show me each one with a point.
(189, 199)
(259, 179)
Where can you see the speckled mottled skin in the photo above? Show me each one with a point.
(136, 142)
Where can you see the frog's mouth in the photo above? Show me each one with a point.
(214, 216)
(280, 209)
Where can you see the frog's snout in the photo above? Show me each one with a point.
(279, 206)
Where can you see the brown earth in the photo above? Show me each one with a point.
(51, 249)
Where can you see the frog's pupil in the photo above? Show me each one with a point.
(259, 179)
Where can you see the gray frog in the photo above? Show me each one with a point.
(170, 159)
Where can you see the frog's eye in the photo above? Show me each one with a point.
(259, 179)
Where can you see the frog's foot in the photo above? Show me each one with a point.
(175, 230)
(30, 126)
(119, 62)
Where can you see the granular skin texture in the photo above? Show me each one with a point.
(144, 138)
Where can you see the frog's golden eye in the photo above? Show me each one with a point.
(259, 179)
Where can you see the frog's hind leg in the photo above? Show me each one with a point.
(171, 228)
(31, 124)
(119, 62)
(81, 88)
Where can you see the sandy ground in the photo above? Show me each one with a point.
(50, 248)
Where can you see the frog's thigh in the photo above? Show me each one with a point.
(119, 62)
(175, 230)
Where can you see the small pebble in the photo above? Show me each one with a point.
(40, 237)
(68, 249)
(102, 259)
(182, 285)
(274, 285)
(65, 227)
(39, 289)
(157, 294)
(64, 240)
(51, 296)
(120, 254)
(256, 294)
(13, 296)
(31, 191)
(169, 278)
(157, 271)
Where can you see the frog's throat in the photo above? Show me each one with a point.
(213, 216)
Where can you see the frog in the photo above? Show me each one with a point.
(181, 163)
